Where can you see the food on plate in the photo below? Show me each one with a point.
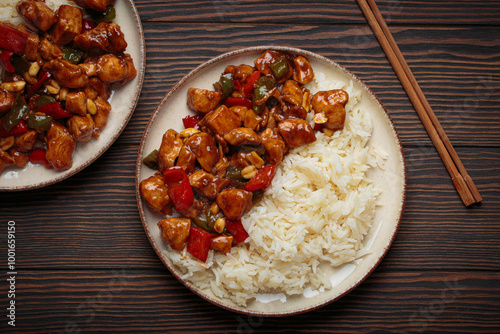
(267, 182)
(59, 62)
(214, 170)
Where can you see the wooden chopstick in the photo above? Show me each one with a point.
(460, 178)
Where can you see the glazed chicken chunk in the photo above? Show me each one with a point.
(37, 14)
(60, 147)
(68, 24)
(329, 108)
(202, 100)
(67, 74)
(107, 37)
(175, 231)
(154, 190)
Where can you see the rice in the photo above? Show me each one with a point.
(319, 208)
(8, 13)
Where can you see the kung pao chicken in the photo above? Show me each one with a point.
(214, 170)
(59, 68)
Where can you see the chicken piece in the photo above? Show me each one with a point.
(26, 142)
(197, 208)
(66, 74)
(275, 146)
(68, 24)
(48, 50)
(303, 71)
(175, 231)
(31, 48)
(103, 89)
(203, 146)
(37, 14)
(186, 160)
(292, 93)
(99, 5)
(239, 160)
(112, 68)
(294, 111)
(234, 202)
(296, 132)
(155, 192)
(329, 106)
(202, 100)
(221, 120)
(101, 116)
(5, 160)
(20, 158)
(242, 136)
(60, 147)
(106, 36)
(169, 150)
(6, 101)
(240, 73)
(76, 103)
(207, 184)
(262, 63)
(222, 164)
(252, 120)
(222, 243)
(81, 127)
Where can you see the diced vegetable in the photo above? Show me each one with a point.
(87, 25)
(234, 173)
(72, 54)
(12, 39)
(235, 227)
(5, 57)
(18, 110)
(250, 85)
(19, 129)
(20, 65)
(262, 179)
(42, 100)
(39, 122)
(37, 156)
(198, 243)
(225, 85)
(43, 76)
(179, 188)
(280, 68)
(150, 159)
(238, 101)
(191, 121)
(54, 110)
(107, 15)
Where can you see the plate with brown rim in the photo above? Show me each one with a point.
(392, 179)
(123, 101)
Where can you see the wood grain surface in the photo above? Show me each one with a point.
(84, 263)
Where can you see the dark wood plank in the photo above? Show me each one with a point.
(132, 301)
(457, 69)
(320, 12)
(98, 226)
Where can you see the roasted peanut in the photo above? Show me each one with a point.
(249, 171)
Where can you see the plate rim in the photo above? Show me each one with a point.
(141, 207)
(140, 75)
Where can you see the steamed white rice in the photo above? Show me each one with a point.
(318, 210)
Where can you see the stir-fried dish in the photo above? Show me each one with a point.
(58, 72)
(214, 170)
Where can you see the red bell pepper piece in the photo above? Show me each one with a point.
(191, 121)
(37, 156)
(236, 85)
(87, 25)
(198, 243)
(5, 60)
(249, 86)
(19, 129)
(262, 179)
(12, 39)
(54, 110)
(238, 101)
(179, 188)
(235, 227)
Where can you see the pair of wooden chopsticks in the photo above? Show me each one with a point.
(461, 179)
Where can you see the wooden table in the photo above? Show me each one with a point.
(84, 263)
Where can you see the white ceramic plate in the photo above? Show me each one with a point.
(392, 179)
(123, 102)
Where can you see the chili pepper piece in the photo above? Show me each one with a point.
(12, 39)
(225, 85)
(249, 86)
(42, 100)
(20, 65)
(54, 110)
(279, 68)
(198, 243)
(191, 121)
(150, 159)
(107, 15)
(179, 188)
(18, 110)
(5, 57)
(19, 129)
(37, 156)
(238, 101)
(262, 179)
(43, 76)
(235, 227)
(87, 25)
